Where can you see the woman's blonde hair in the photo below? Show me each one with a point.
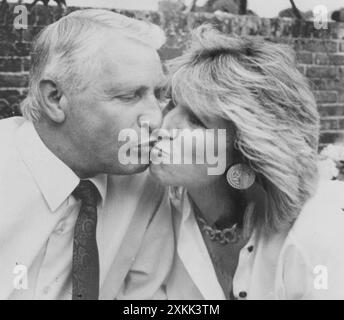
(255, 85)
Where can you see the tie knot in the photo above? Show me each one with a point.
(87, 192)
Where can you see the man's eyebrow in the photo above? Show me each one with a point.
(123, 88)
(113, 91)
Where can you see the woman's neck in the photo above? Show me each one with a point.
(216, 201)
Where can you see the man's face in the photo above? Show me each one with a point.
(123, 95)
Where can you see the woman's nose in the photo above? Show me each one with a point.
(172, 123)
(172, 120)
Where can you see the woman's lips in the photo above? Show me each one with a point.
(146, 145)
(160, 150)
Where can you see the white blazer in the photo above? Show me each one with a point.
(38, 214)
(307, 262)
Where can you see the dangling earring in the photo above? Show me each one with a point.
(240, 176)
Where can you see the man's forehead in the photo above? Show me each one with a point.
(133, 83)
(131, 65)
(126, 48)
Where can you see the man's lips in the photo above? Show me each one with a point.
(150, 144)
(143, 148)
(159, 149)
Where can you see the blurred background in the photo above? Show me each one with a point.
(263, 8)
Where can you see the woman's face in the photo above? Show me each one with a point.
(190, 147)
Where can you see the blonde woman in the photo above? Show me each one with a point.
(266, 228)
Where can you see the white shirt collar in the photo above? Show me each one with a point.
(55, 179)
(100, 181)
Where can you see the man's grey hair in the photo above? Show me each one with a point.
(62, 51)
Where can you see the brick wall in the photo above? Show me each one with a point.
(320, 53)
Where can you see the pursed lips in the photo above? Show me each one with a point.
(160, 148)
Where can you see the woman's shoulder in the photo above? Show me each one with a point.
(314, 247)
(321, 221)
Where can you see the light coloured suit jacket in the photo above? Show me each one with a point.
(37, 217)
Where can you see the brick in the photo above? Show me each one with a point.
(341, 96)
(327, 84)
(315, 45)
(341, 72)
(330, 137)
(341, 124)
(321, 72)
(334, 110)
(13, 80)
(337, 59)
(329, 124)
(321, 58)
(23, 48)
(304, 57)
(15, 99)
(10, 65)
(6, 110)
(317, 84)
(7, 49)
(14, 49)
(8, 93)
(341, 46)
(334, 84)
(26, 64)
(302, 29)
(9, 34)
(326, 96)
(326, 59)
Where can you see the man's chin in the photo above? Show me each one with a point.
(132, 169)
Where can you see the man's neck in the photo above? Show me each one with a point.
(60, 147)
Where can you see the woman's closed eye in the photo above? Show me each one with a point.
(194, 120)
(161, 94)
(168, 107)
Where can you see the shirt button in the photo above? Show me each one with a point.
(242, 294)
(250, 248)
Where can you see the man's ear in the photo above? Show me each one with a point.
(51, 95)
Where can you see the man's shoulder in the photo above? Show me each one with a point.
(8, 129)
(9, 125)
(326, 203)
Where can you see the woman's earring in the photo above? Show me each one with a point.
(240, 176)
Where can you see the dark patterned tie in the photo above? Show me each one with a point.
(85, 274)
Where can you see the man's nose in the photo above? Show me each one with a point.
(152, 116)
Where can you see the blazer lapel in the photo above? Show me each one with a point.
(194, 255)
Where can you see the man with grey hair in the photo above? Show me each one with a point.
(76, 223)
